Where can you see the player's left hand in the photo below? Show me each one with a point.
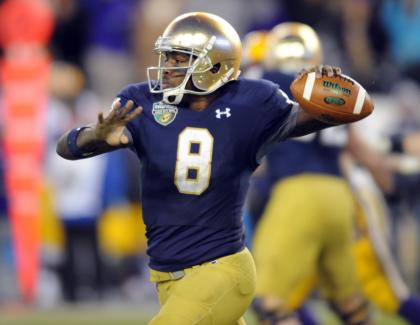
(321, 70)
(111, 128)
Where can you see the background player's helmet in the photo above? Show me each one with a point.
(215, 54)
(254, 47)
(291, 47)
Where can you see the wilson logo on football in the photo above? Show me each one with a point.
(336, 87)
(334, 100)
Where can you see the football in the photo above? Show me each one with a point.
(333, 100)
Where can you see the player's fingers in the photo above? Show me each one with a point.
(328, 70)
(318, 71)
(116, 105)
(127, 107)
(336, 70)
(301, 73)
(134, 114)
(100, 118)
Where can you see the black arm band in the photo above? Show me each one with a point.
(397, 143)
(72, 143)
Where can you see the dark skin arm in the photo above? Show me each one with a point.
(307, 124)
(107, 134)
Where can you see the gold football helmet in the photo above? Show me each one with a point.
(214, 48)
(254, 47)
(291, 47)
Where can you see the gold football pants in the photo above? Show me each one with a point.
(306, 230)
(214, 293)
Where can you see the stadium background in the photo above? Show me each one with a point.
(63, 61)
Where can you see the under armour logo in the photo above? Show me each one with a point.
(226, 112)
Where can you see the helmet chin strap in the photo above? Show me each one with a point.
(177, 97)
(176, 93)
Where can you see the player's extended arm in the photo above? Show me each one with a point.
(109, 133)
(306, 124)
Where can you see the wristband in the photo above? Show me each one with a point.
(397, 143)
(72, 143)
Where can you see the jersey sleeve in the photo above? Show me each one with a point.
(277, 118)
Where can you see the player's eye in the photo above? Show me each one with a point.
(180, 59)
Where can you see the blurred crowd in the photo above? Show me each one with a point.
(92, 239)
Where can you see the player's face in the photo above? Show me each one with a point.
(173, 77)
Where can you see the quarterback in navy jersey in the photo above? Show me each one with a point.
(199, 132)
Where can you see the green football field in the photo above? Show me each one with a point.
(131, 315)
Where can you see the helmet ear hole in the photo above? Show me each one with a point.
(215, 68)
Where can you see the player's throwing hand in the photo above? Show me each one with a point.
(321, 70)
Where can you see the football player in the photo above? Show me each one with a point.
(305, 232)
(295, 241)
(199, 132)
(377, 270)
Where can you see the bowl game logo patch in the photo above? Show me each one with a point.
(163, 113)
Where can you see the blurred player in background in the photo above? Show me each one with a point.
(306, 229)
(200, 135)
(376, 268)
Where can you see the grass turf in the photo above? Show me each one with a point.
(130, 315)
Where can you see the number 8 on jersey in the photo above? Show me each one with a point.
(193, 163)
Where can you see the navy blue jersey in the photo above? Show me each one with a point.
(314, 153)
(195, 167)
(284, 80)
(307, 155)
